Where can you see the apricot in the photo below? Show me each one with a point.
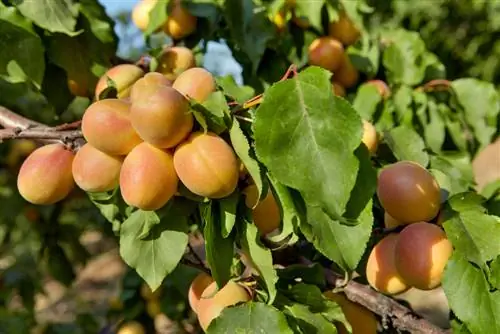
(131, 327)
(198, 285)
(421, 254)
(266, 215)
(162, 117)
(212, 303)
(390, 222)
(153, 308)
(106, 126)
(123, 76)
(147, 177)
(45, 176)
(19, 150)
(347, 75)
(301, 22)
(96, 171)
(207, 165)
(180, 23)
(175, 60)
(361, 319)
(77, 88)
(140, 13)
(279, 20)
(148, 84)
(344, 30)
(408, 192)
(381, 271)
(326, 52)
(196, 83)
(31, 213)
(338, 90)
(382, 87)
(370, 137)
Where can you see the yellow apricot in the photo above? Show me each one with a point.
(123, 76)
(153, 308)
(370, 137)
(196, 83)
(266, 215)
(106, 126)
(361, 319)
(207, 165)
(162, 117)
(381, 271)
(147, 85)
(175, 60)
(147, 178)
(421, 254)
(279, 20)
(213, 302)
(347, 75)
(140, 13)
(45, 176)
(198, 285)
(326, 52)
(338, 90)
(132, 327)
(408, 192)
(180, 23)
(344, 30)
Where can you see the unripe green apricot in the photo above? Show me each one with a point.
(45, 176)
(147, 177)
(180, 23)
(96, 171)
(123, 76)
(326, 52)
(106, 126)
(160, 115)
(175, 60)
(207, 165)
(196, 83)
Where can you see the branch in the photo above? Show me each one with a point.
(9, 119)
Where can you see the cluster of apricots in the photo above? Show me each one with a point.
(179, 24)
(417, 255)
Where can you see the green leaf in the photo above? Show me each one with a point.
(459, 170)
(495, 273)
(365, 55)
(157, 17)
(366, 101)
(59, 266)
(308, 321)
(406, 144)
(12, 322)
(22, 55)
(146, 219)
(301, 122)
(402, 98)
(260, 257)
(219, 249)
(469, 296)
(212, 112)
(434, 130)
(158, 254)
(312, 11)
(239, 93)
(250, 318)
(313, 274)
(99, 23)
(228, 206)
(108, 205)
(480, 113)
(54, 16)
(341, 243)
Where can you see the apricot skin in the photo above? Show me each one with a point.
(96, 171)
(266, 215)
(207, 165)
(347, 75)
(211, 305)
(140, 13)
(361, 319)
(161, 118)
(337, 89)
(381, 271)
(131, 327)
(344, 30)
(326, 52)
(370, 137)
(147, 178)
(198, 285)
(180, 23)
(390, 222)
(45, 176)
(196, 83)
(421, 254)
(382, 87)
(148, 84)
(124, 76)
(106, 126)
(175, 60)
(408, 192)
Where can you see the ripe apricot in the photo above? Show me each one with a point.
(175, 60)
(370, 137)
(347, 75)
(381, 271)
(123, 76)
(180, 23)
(326, 52)
(148, 84)
(132, 327)
(96, 171)
(140, 13)
(106, 126)
(361, 319)
(196, 83)
(338, 90)
(161, 118)
(421, 254)
(344, 30)
(212, 303)
(198, 285)
(78, 88)
(207, 165)
(382, 87)
(301, 22)
(147, 177)
(408, 192)
(390, 222)
(45, 176)
(266, 215)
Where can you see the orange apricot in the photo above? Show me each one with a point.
(175, 60)
(131, 327)
(344, 30)
(326, 52)
(147, 85)
(45, 176)
(198, 285)
(390, 222)
(123, 76)
(196, 83)
(370, 137)
(140, 13)
(147, 178)
(207, 165)
(347, 75)
(180, 22)
(266, 215)
(338, 90)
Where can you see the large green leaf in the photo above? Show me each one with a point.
(312, 11)
(239, 93)
(300, 123)
(54, 16)
(406, 144)
(101, 25)
(366, 101)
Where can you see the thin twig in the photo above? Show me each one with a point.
(40, 133)
(9, 119)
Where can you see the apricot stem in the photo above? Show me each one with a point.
(245, 119)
